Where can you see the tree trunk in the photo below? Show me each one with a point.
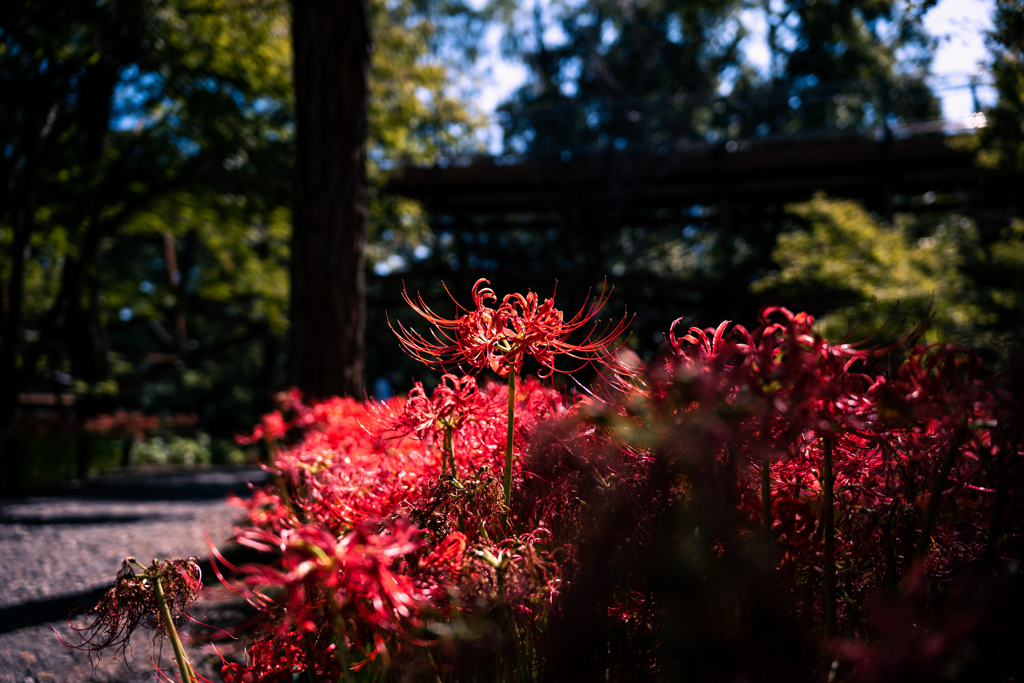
(328, 312)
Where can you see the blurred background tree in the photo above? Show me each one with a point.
(835, 65)
(142, 124)
(331, 44)
(638, 74)
(617, 95)
(147, 207)
(624, 75)
(410, 116)
(963, 267)
(870, 276)
(1003, 137)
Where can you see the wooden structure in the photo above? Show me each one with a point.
(651, 187)
(678, 230)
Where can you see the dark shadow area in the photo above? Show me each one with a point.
(55, 609)
(212, 484)
(36, 520)
(171, 485)
(60, 608)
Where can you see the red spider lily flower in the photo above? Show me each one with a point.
(448, 553)
(501, 338)
(284, 658)
(454, 401)
(272, 427)
(935, 386)
(438, 572)
(345, 470)
(456, 411)
(706, 350)
(356, 569)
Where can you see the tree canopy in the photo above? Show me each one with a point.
(146, 212)
(145, 215)
(649, 72)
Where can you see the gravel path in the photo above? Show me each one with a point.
(60, 551)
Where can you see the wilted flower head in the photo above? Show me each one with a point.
(133, 601)
(501, 338)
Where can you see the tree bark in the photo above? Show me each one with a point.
(332, 47)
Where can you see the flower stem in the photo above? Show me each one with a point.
(997, 509)
(341, 649)
(451, 453)
(448, 450)
(828, 516)
(932, 512)
(766, 499)
(508, 445)
(179, 651)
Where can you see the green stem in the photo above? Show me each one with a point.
(179, 650)
(766, 498)
(524, 669)
(450, 447)
(997, 510)
(933, 503)
(446, 448)
(341, 647)
(828, 516)
(437, 671)
(508, 445)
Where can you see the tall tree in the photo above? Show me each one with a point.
(1003, 138)
(608, 79)
(331, 42)
(145, 208)
(126, 104)
(624, 74)
(647, 72)
(838, 64)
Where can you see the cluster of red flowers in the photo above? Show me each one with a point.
(770, 450)
(373, 529)
(135, 425)
(806, 416)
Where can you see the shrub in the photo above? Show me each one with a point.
(173, 450)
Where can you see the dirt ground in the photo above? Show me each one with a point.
(60, 551)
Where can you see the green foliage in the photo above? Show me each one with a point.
(1004, 264)
(645, 73)
(413, 117)
(1003, 137)
(163, 164)
(244, 42)
(174, 450)
(240, 257)
(413, 113)
(147, 187)
(842, 261)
